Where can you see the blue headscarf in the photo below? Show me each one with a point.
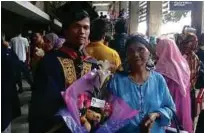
(134, 39)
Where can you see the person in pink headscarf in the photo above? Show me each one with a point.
(174, 67)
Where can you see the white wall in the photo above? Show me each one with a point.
(176, 27)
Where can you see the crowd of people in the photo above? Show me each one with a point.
(157, 76)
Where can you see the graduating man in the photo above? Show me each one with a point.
(59, 69)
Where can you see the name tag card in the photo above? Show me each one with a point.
(97, 103)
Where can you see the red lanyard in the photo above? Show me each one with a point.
(72, 53)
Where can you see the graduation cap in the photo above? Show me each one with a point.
(74, 11)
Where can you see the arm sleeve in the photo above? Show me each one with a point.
(11, 43)
(118, 60)
(167, 105)
(27, 43)
(112, 86)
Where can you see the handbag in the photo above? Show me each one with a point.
(178, 128)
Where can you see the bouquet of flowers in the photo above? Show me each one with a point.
(91, 107)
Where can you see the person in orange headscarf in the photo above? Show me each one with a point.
(188, 48)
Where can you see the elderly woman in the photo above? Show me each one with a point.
(52, 41)
(188, 48)
(173, 66)
(144, 90)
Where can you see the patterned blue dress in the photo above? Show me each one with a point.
(152, 96)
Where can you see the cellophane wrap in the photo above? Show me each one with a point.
(121, 112)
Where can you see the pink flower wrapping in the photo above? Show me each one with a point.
(75, 98)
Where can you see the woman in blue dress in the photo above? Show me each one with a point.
(144, 90)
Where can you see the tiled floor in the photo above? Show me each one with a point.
(20, 124)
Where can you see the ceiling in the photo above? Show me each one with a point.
(102, 5)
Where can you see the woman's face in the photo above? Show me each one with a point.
(137, 55)
(37, 38)
(189, 46)
(48, 45)
(46, 41)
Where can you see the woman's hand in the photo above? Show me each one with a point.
(151, 119)
(148, 122)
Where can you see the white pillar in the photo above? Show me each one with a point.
(197, 16)
(133, 17)
(124, 5)
(154, 18)
(117, 7)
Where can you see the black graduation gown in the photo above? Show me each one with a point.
(200, 128)
(10, 103)
(46, 98)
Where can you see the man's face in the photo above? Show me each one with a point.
(6, 44)
(78, 33)
(37, 38)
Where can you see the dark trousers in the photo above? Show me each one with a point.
(22, 68)
(193, 104)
